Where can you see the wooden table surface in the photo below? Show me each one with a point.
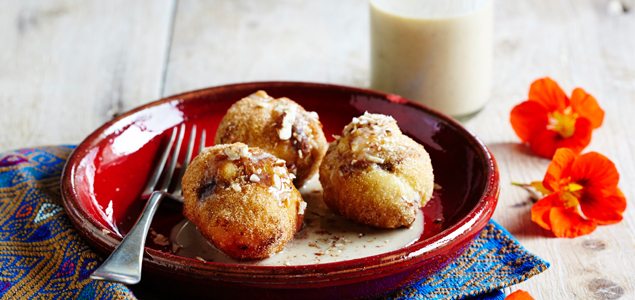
(68, 66)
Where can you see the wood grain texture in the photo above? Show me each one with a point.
(578, 43)
(66, 66)
(217, 42)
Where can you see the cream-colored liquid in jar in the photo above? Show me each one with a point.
(437, 52)
(326, 237)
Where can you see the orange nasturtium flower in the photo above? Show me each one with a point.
(549, 119)
(519, 295)
(580, 193)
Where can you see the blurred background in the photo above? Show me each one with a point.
(67, 66)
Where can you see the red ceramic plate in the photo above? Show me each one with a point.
(104, 177)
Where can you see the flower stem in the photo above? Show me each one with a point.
(533, 195)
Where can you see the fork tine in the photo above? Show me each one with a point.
(201, 144)
(167, 178)
(186, 161)
(158, 169)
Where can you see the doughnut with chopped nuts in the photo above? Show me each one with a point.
(375, 175)
(242, 199)
(279, 126)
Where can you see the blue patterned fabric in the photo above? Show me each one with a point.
(41, 255)
(494, 260)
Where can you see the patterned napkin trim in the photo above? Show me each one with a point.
(41, 256)
(493, 261)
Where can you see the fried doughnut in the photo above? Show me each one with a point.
(280, 127)
(242, 200)
(375, 175)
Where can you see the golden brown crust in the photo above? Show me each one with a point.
(375, 175)
(279, 126)
(242, 200)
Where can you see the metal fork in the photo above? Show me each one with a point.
(124, 264)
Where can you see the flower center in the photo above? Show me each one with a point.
(570, 195)
(563, 122)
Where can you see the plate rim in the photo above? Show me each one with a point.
(464, 228)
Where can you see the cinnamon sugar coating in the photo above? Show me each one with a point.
(242, 200)
(375, 175)
(280, 127)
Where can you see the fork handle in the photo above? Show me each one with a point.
(124, 264)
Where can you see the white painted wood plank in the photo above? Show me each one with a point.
(67, 66)
(218, 42)
(578, 43)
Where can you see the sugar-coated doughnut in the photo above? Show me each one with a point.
(278, 126)
(242, 199)
(375, 175)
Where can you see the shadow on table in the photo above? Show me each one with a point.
(522, 226)
(512, 149)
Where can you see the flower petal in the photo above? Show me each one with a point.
(549, 93)
(560, 167)
(540, 211)
(603, 208)
(595, 171)
(544, 143)
(581, 136)
(519, 295)
(528, 118)
(568, 223)
(586, 106)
